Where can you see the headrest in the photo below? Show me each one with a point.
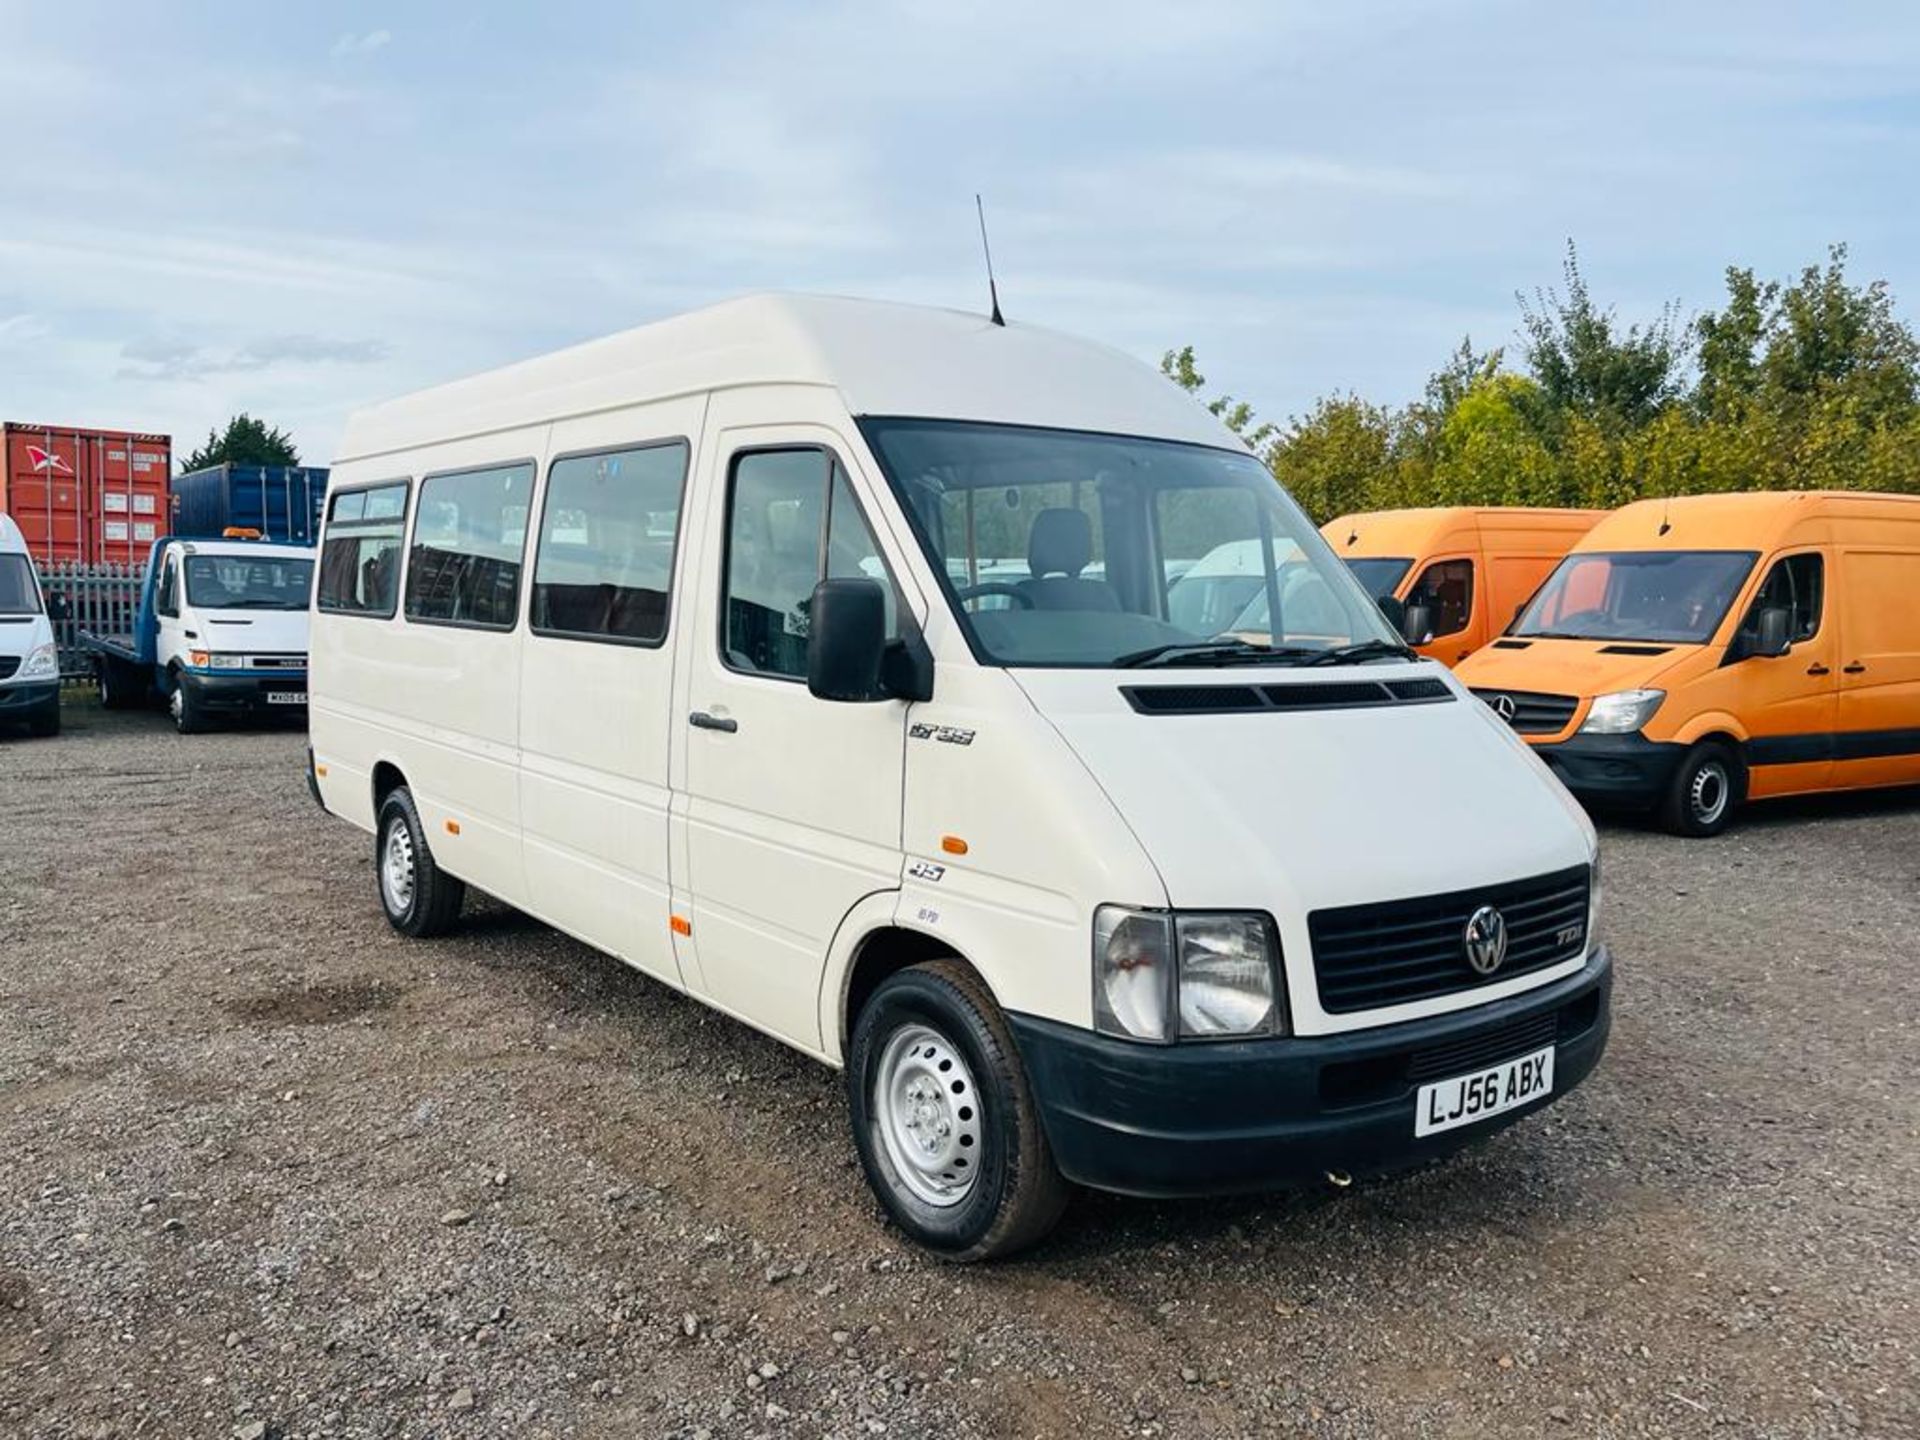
(1060, 543)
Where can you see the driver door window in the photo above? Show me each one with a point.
(166, 595)
(1446, 589)
(1797, 585)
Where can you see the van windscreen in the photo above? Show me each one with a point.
(1068, 548)
(1379, 573)
(18, 595)
(1675, 597)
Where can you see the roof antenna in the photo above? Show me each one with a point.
(992, 289)
(1666, 502)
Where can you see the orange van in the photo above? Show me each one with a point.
(1692, 654)
(1460, 573)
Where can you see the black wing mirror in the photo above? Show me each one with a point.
(58, 610)
(1771, 633)
(1417, 626)
(847, 640)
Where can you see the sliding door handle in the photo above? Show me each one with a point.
(1856, 668)
(701, 720)
(1818, 669)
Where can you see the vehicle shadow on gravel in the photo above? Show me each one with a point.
(1769, 815)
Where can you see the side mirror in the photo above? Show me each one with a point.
(846, 640)
(1772, 637)
(1417, 627)
(1395, 612)
(58, 610)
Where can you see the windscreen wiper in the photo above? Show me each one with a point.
(1362, 651)
(1209, 652)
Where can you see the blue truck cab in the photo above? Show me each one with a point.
(221, 630)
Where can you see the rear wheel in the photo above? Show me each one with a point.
(115, 684)
(944, 1119)
(421, 899)
(1708, 787)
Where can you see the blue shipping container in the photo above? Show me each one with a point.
(282, 502)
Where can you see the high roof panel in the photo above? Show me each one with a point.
(883, 358)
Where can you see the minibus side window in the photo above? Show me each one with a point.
(603, 568)
(469, 533)
(1446, 588)
(1795, 584)
(792, 520)
(360, 559)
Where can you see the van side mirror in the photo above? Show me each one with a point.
(58, 610)
(1417, 626)
(846, 640)
(1771, 634)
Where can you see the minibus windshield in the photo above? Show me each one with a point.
(1380, 574)
(1676, 597)
(1065, 548)
(18, 594)
(248, 582)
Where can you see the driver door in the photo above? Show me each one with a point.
(1789, 703)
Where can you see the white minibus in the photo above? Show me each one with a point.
(29, 660)
(703, 644)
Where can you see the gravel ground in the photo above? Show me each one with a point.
(267, 1170)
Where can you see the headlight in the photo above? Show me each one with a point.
(1622, 712)
(1200, 976)
(42, 663)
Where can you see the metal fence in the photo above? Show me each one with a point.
(101, 597)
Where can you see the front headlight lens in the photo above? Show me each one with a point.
(1622, 712)
(1193, 976)
(42, 663)
(1225, 977)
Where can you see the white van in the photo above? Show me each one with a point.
(29, 661)
(672, 641)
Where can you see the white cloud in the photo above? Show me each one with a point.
(356, 44)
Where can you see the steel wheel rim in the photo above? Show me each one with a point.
(926, 1109)
(396, 868)
(176, 703)
(1709, 793)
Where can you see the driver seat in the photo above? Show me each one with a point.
(1059, 547)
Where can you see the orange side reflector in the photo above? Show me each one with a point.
(453, 827)
(321, 771)
(681, 925)
(953, 845)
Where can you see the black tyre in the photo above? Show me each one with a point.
(944, 1118)
(1709, 786)
(46, 720)
(115, 684)
(421, 899)
(189, 715)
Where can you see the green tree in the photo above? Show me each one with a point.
(1586, 364)
(1237, 415)
(247, 441)
(1334, 460)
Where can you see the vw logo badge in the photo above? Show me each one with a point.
(1504, 707)
(1485, 940)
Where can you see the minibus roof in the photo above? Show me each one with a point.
(883, 358)
(1415, 532)
(12, 540)
(1749, 520)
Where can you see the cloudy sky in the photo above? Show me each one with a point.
(298, 209)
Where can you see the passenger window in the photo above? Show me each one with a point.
(791, 520)
(360, 560)
(164, 593)
(1796, 584)
(469, 533)
(1446, 589)
(604, 566)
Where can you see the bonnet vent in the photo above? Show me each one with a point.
(1247, 699)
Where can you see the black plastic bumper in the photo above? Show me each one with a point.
(1628, 769)
(18, 702)
(246, 693)
(1201, 1119)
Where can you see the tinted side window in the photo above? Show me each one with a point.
(781, 541)
(604, 565)
(1446, 587)
(163, 591)
(469, 532)
(1796, 584)
(360, 561)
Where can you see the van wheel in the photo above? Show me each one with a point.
(112, 686)
(189, 715)
(1708, 787)
(944, 1119)
(421, 899)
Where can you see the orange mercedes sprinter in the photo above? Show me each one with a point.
(1460, 574)
(1692, 654)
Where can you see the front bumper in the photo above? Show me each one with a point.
(1627, 769)
(20, 698)
(1202, 1119)
(248, 691)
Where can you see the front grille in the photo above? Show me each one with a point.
(8, 664)
(1533, 714)
(1307, 695)
(1367, 957)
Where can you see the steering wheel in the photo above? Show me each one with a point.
(1022, 600)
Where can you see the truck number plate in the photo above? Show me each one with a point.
(286, 697)
(1449, 1104)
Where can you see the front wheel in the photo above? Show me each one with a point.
(1707, 788)
(944, 1119)
(421, 899)
(189, 714)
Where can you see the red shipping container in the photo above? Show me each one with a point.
(86, 495)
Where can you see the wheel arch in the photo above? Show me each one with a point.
(871, 945)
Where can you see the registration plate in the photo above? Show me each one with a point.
(286, 697)
(1465, 1099)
